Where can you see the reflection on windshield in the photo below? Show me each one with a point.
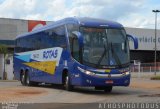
(105, 47)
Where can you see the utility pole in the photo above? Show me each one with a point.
(155, 53)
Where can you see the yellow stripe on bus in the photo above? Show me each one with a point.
(46, 66)
(107, 70)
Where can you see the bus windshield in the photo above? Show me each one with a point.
(104, 48)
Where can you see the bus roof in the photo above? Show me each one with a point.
(84, 21)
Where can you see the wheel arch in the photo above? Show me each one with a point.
(64, 74)
(21, 72)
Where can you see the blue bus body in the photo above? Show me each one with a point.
(59, 49)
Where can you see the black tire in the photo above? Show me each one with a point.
(67, 83)
(22, 78)
(108, 89)
(28, 81)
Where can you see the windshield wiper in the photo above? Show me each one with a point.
(103, 54)
(115, 56)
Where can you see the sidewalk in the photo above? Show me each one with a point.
(145, 83)
(8, 80)
(143, 74)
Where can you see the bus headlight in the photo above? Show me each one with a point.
(124, 70)
(86, 71)
(89, 73)
(127, 73)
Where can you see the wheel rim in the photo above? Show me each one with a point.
(27, 80)
(66, 82)
(22, 79)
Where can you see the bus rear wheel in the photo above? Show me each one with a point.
(28, 81)
(22, 79)
(67, 83)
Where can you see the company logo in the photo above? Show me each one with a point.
(33, 24)
(145, 39)
(111, 62)
(49, 54)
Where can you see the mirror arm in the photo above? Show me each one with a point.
(80, 38)
(135, 40)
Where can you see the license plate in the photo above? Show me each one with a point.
(109, 82)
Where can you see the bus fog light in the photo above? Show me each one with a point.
(88, 81)
(126, 81)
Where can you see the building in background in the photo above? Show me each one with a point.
(10, 28)
(146, 42)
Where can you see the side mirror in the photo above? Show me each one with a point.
(134, 39)
(80, 38)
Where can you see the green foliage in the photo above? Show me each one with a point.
(155, 77)
(3, 49)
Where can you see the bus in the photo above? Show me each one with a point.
(75, 52)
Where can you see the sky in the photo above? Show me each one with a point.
(130, 13)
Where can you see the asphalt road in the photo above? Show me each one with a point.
(53, 97)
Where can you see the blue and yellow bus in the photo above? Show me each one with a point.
(74, 52)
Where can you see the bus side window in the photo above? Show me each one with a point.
(56, 37)
(18, 46)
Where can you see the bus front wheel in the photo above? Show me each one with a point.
(108, 89)
(67, 83)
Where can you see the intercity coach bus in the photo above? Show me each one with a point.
(75, 52)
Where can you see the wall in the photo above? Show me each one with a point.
(10, 28)
(146, 38)
(9, 67)
(1, 65)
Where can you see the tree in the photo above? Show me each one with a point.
(4, 51)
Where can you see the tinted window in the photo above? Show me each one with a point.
(73, 41)
(24, 44)
(71, 28)
(55, 37)
(46, 39)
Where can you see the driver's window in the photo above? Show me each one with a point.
(87, 40)
(74, 47)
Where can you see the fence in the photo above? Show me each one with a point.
(145, 67)
(144, 70)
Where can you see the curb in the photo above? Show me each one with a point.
(8, 80)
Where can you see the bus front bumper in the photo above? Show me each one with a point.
(100, 80)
